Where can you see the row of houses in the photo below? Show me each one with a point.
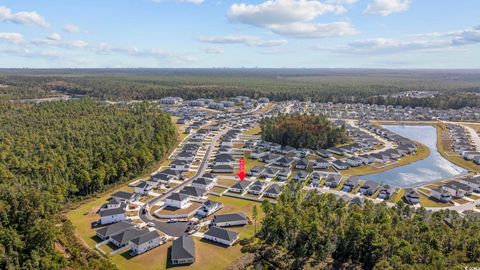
(456, 189)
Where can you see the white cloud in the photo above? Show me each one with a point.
(252, 41)
(294, 18)
(315, 30)
(22, 17)
(54, 36)
(71, 28)
(14, 38)
(196, 2)
(213, 50)
(386, 7)
(280, 12)
(427, 41)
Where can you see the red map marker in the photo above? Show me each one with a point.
(241, 169)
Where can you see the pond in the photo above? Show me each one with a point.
(433, 168)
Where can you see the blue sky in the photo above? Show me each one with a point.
(240, 33)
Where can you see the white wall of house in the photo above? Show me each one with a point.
(178, 204)
(145, 246)
(221, 241)
(113, 218)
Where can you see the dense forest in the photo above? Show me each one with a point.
(456, 88)
(302, 131)
(55, 152)
(307, 230)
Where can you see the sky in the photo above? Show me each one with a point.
(240, 33)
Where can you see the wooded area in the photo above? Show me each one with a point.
(302, 131)
(456, 88)
(305, 229)
(55, 152)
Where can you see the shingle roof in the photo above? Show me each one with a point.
(183, 248)
(113, 211)
(222, 233)
(229, 217)
(114, 228)
(177, 197)
(127, 235)
(145, 237)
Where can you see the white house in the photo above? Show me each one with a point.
(209, 207)
(177, 200)
(222, 236)
(146, 242)
(227, 220)
(143, 188)
(112, 215)
(203, 183)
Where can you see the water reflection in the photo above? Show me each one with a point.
(434, 167)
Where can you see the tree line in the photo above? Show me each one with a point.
(308, 230)
(456, 90)
(57, 152)
(302, 131)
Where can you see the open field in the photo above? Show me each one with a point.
(253, 131)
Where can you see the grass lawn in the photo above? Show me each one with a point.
(461, 201)
(397, 196)
(83, 216)
(250, 163)
(253, 131)
(474, 197)
(427, 202)
(226, 182)
(218, 189)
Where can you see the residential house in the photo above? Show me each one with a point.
(412, 196)
(333, 180)
(203, 183)
(146, 242)
(112, 215)
(123, 238)
(222, 236)
(340, 165)
(209, 207)
(284, 161)
(124, 196)
(105, 232)
(350, 184)
(183, 250)
(177, 200)
(386, 192)
(300, 176)
(302, 164)
(369, 188)
(273, 191)
(240, 186)
(321, 164)
(228, 220)
(143, 188)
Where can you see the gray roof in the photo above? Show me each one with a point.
(274, 189)
(192, 191)
(241, 184)
(123, 195)
(202, 181)
(222, 233)
(113, 211)
(114, 228)
(183, 248)
(177, 197)
(145, 237)
(229, 217)
(127, 235)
